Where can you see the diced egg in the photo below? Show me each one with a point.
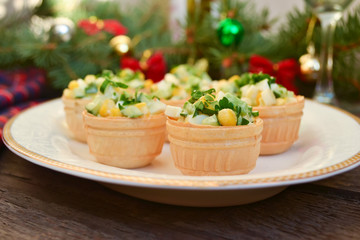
(268, 98)
(197, 119)
(82, 83)
(220, 95)
(252, 94)
(263, 85)
(156, 107)
(172, 111)
(89, 79)
(99, 81)
(247, 100)
(244, 89)
(171, 79)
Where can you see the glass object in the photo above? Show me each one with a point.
(329, 12)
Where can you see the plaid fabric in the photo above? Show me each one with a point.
(19, 89)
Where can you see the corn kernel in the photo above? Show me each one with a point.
(73, 84)
(105, 108)
(148, 83)
(141, 75)
(104, 111)
(227, 117)
(142, 107)
(176, 91)
(115, 112)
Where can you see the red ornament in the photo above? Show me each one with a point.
(156, 67)
(114, 27)
(129, 62)
(93, 25)
(285, 71)
(89, 27)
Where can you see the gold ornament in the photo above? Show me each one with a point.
(309, 64)
(121, 44)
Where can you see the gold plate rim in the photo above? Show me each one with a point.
(172, 182)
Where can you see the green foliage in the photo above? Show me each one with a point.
(148, 27)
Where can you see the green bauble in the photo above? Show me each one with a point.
(230, 32)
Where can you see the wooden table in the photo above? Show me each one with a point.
(38, 203)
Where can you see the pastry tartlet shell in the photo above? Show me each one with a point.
(125, 142)
(214, 150)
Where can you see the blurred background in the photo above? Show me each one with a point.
(70, 39)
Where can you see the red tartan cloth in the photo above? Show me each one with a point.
(19, 89)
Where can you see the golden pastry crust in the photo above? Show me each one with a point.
(209, 150)
(125, 142)
(281, 126)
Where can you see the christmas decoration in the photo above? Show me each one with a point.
(309, 63)
(230, 32)
(90, 49)
(93, 25)
(285, 71)
(121, 44)
(61, 30)
(309, 67)
(154, 66)
(130, 62)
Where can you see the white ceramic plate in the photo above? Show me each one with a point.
(328, 144)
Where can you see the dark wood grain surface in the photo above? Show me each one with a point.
(38, 203)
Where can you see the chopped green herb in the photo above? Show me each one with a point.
(225, 103)
(107, 81)
(103, 86)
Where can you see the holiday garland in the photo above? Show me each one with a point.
(107, 35)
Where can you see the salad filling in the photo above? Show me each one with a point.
(208, 108)
(114, 101)
(262, 90)
(182, 81)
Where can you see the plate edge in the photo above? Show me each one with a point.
(338, 168)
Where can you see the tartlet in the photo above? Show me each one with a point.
(124, 142)
(80, 92)
(75, 97)
(73, 116)
(176, 87)
(281, 126)
(280, 109)
(124, 129)
(215, 144)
